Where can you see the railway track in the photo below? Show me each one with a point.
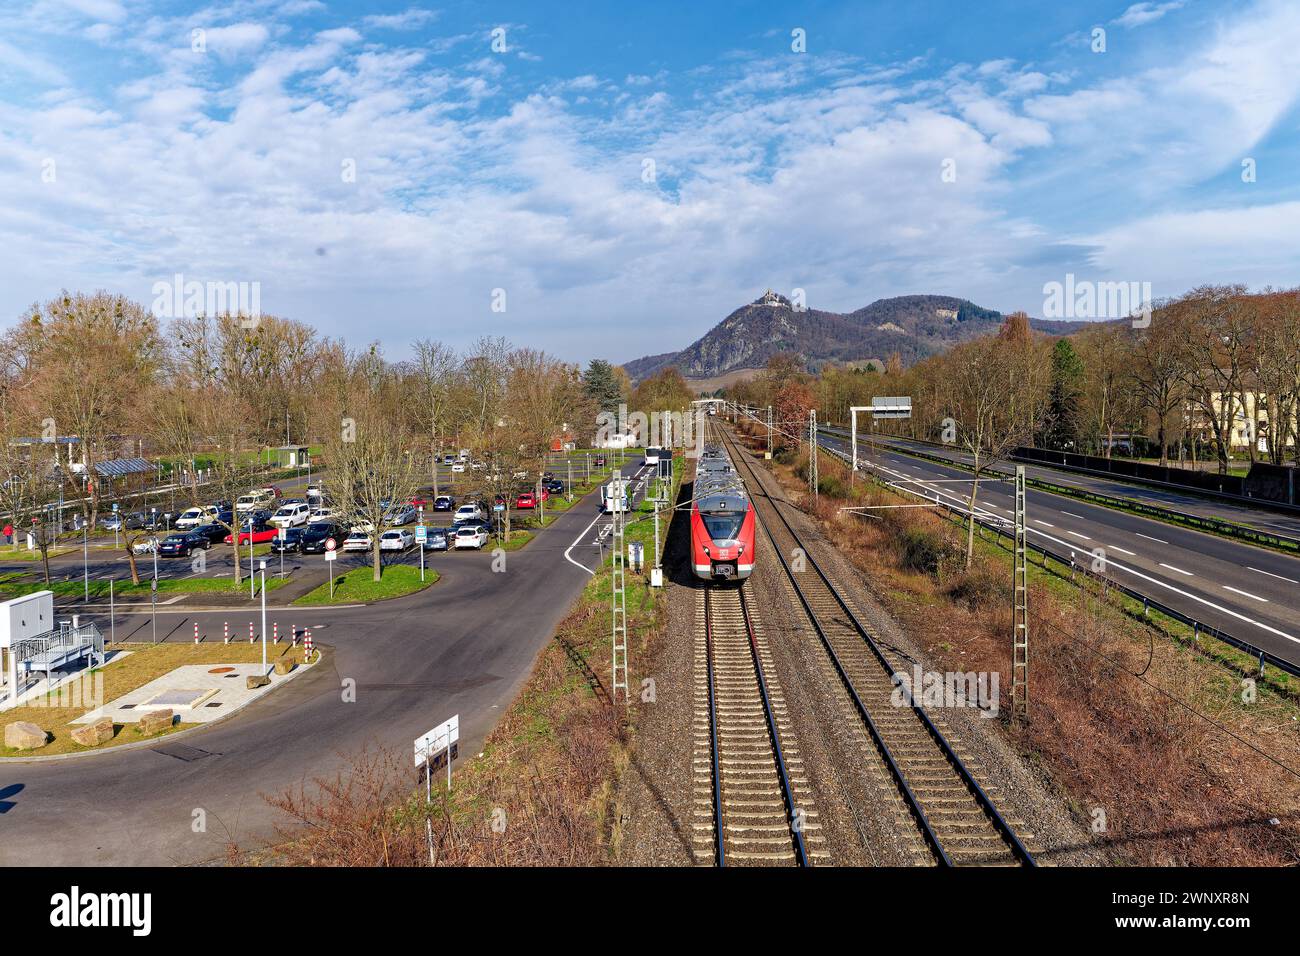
(955, 816)
(753, 805)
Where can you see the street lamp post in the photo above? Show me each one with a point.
(85, 545)
(263, 615)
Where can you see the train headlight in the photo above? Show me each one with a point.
(707, 551)
(740, 549)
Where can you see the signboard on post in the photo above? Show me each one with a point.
(441, 740)
(891, 407)
(421, 534)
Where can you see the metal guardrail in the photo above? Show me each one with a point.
(1148, 603)
(1227, 529)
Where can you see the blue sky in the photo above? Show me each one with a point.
(630, 173)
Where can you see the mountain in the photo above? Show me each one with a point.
(914, 326)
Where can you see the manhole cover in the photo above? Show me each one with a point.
(221, 670)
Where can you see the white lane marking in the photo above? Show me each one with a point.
(1077, 535)
(1179, 570)
(1115, 547)
(1046, 524)
(1245, 594)
(1149, 538)
(1073, 515)
(1272, 575)
(1177, 590)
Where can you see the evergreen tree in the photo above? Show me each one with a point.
(1064, 397)
(601, 385)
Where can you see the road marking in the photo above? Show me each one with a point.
(1179, 570)
(1149, 538)
(1073, 515)
(1272, 575)
(1045, 523)
(1077, 535)
(1245, 594)
(1115, 547)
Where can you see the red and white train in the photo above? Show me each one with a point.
(722, 520)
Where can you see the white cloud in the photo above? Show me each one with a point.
(1140, 14)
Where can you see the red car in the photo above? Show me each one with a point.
(259, 537)
(526, 500)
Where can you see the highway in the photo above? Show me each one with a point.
(1265, 519)
(1248, 592)
(463, 646)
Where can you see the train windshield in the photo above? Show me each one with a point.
(724, 526)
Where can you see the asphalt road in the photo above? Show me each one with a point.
(1263, 518)
(1248, 592)
(464, 646)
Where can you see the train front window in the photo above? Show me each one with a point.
(723, 527)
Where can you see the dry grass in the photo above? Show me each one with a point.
(1116, 706)
(144, 663)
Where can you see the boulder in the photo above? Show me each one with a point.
(24, 735)
(155, 721)
(284, 665)
(92, 735)
(257, 680)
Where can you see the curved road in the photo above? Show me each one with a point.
(463, 646)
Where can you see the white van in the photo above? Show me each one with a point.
(609, 502)
(258, 498)
(195, 517)
(290, 516)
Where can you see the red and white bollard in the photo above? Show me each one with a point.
(225, 632)
(196, 632)
(275, 632)
(306, 646)
(293, 635)
(250, 632)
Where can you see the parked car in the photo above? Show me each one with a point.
(458, 467)
(316, 534)
(213, 532)
(194, 517)
(145, 547)
(444, 503)
(291, 515)
(599, 461)
(436, 540)
(477, 464)
(470, 512)
(159, 520)
(525, 501)
(259, 531)
(396, 539)
(183, 545)
(448, 460)
(124, 521)
(554, 486)
(317, 515)
(291, 540)
(273, 489)
(471, 536)
(399, 515)
(357, 541)
(255, 500)
(314, 491)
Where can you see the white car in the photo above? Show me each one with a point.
(321, 514)
(195, 517)
(398, 539)
(458, 467)
(290, 516)
(357, 541)
(254, 500)
(145, 546)
(471, 536)
(469, 513)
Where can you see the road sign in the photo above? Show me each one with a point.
(498, 507)
(421, 534)
(114, 506)
(330, 544)
(331, 555)
(439, 739)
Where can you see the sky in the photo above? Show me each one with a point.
(612, 179)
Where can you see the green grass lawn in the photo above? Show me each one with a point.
(517, 540)
(19, 583)
(357, 585)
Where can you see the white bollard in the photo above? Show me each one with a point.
(225, 632)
